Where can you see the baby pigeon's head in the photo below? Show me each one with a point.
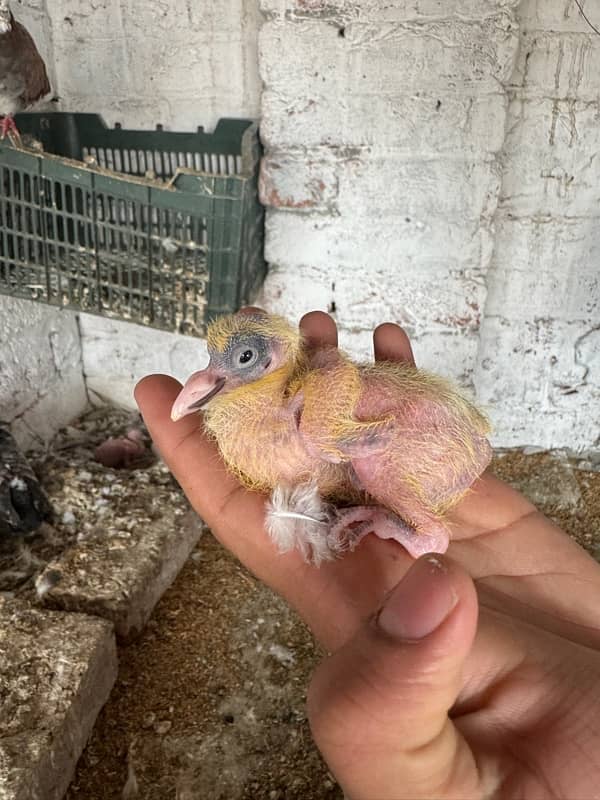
(243, 348)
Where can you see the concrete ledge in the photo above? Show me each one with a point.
(122, 581)
(56, 673)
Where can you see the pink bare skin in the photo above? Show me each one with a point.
(8, 127)
(471, 675)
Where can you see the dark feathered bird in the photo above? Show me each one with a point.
(23, 76)
(23, 503)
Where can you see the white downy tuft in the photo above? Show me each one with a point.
(298, 518)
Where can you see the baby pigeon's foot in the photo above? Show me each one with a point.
(297, 518)
(351, 525)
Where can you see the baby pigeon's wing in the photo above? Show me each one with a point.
(437, 444)
(324, 410)
(362, 439)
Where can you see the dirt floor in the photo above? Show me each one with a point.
(210, 700)
(209, 703)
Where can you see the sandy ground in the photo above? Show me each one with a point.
(209, 702)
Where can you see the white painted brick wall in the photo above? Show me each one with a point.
(176, 62)
(434, 163)
(539, 366)
(383, 127)
(118, 354)
(431, 162)
(41, 380)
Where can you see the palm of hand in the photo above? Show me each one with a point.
(539, 599)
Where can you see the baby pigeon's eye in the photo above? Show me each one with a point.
(245, 356)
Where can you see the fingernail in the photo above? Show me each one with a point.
(421, 602)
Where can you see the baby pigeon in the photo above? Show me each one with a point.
(344, 449)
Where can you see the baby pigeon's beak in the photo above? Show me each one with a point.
(198, 390)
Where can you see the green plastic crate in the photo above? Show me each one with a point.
(154, 227)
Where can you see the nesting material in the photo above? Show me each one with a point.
(120, 534)
(56, 672)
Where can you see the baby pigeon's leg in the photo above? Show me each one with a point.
(428, 536)
(298, 518)
(351, 525)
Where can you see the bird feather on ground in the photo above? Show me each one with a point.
(345, 449)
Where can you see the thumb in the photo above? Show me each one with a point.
(379, 706)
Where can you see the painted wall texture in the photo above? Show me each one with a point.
(434, 163)
(117, 355)
(538, 364)
(181, 63)
(41, 376)
(431, 162)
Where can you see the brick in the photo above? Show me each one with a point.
(77, 72)
(544, 267)
(452, 354)
(382, 186)
(552, 169)
(451, 56)
(542, 389)
(56, 672)
(164, 16)
(298, 182)
(397, 11)
(294, 290)
(391, 187)
(323, 241)
(423, 297)
(558, 65)
(122, 580)
(426, 124)
(540, 15)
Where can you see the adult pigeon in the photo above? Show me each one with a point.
(23, 76)
(23, 503)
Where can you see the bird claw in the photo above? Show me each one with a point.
(9, 128)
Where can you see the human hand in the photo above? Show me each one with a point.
(427, 701)
(522, 696)
(498, 536)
